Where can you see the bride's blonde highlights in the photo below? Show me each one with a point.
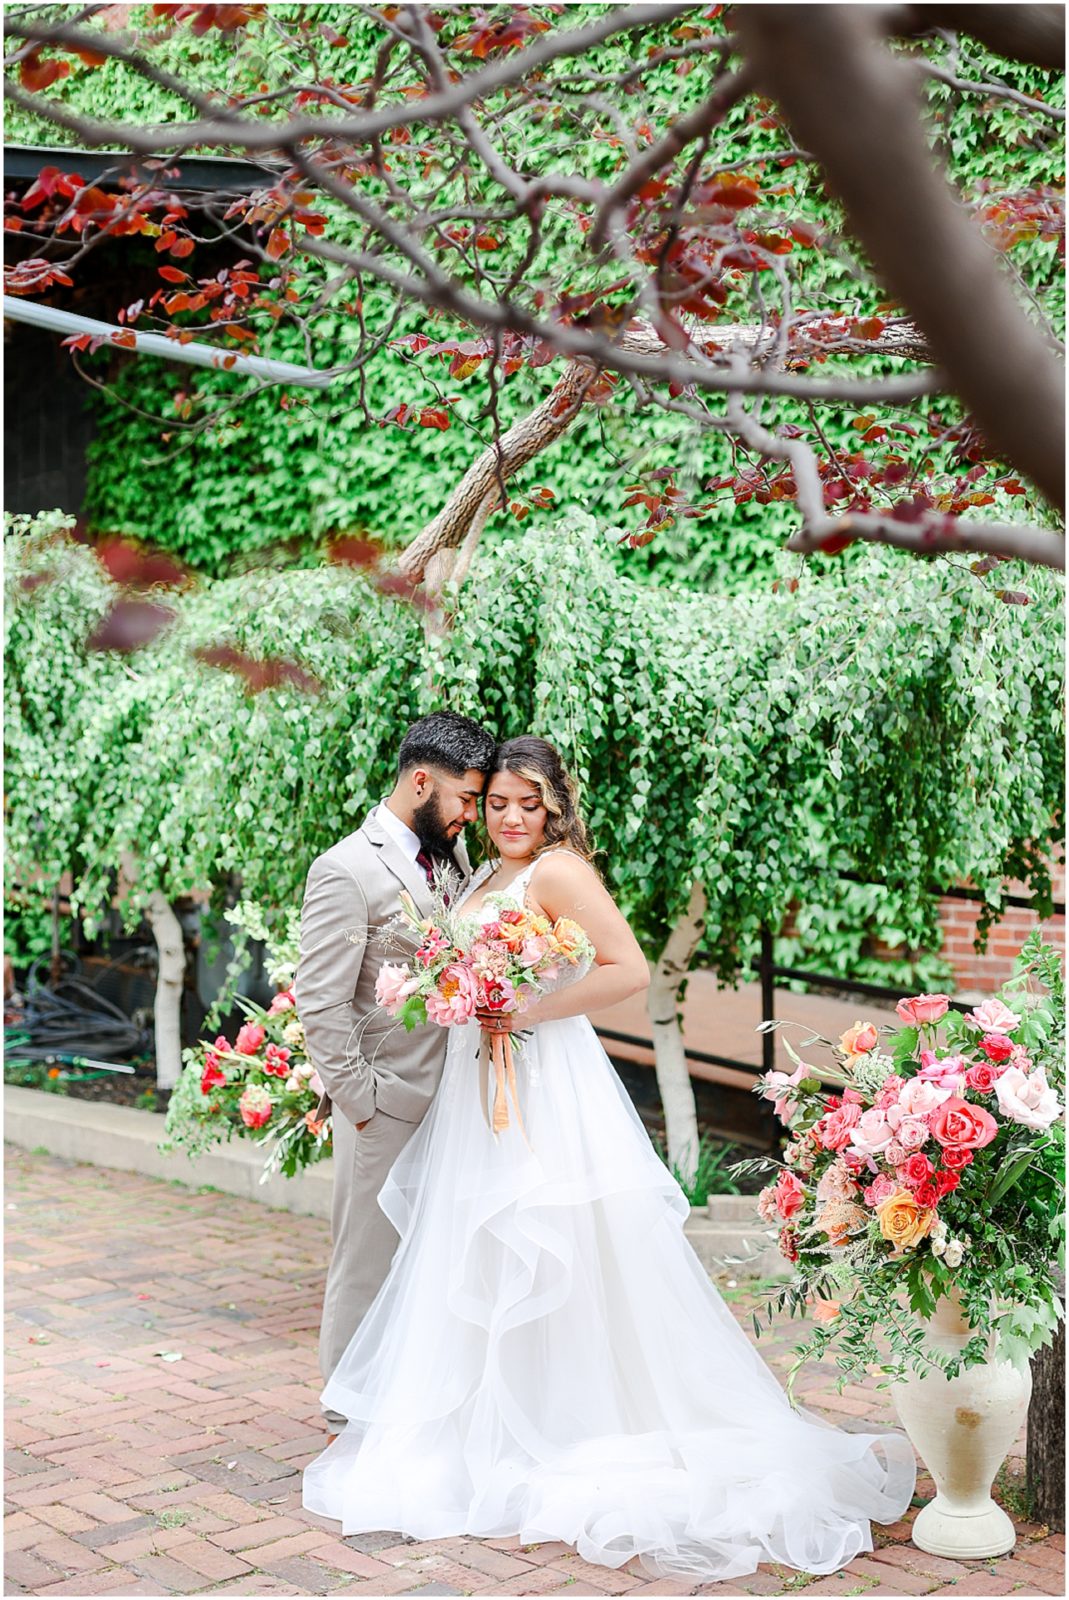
(539, 764)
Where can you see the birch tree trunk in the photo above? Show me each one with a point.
(673, 1079)
(170, 979)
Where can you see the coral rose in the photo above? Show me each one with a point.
(958, 1125)
(860, 1039)
(282, 1002)
(836, 1127)
(956, 1159)
(825, 1310)
(923, 1009)
(904, 1222)
(880, 1189)
(790, 1195)
(213, 1075)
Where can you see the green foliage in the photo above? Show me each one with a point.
(266, 475)
(711, 1172)
(909, 730)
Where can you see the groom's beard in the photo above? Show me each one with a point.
(431, 829)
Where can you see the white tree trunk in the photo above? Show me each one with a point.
(167, 1013)
(673, 1079)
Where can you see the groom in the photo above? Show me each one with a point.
(379, 1078)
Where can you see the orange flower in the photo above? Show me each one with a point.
(826, 1310)
(859, 1039)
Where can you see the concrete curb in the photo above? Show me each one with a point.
(125, 1140)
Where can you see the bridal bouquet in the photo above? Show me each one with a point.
(259, 1086)
(461, 966)
(936, 1167)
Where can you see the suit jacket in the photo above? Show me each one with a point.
(366, 1059)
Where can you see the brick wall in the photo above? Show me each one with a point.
(957, 918)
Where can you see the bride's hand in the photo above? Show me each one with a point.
(494, 1021)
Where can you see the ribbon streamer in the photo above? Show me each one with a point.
(497, 1052)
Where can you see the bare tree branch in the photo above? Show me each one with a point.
(1035, 34)
(851, 103)
(939, 536)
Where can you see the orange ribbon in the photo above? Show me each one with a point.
(497, 1051)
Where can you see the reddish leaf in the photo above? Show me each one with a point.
(463, 366)
(258, 675)
(174, 274)
(33, 274)
(129, 625)
(278, 243)
(432, 418)
(129, 564)
(486, 241)
(184, 247)
(350, 551)
(36, 74)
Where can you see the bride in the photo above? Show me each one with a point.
(547, 1357)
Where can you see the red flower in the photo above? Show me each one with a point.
(915, 1170)
(947, 1181)
(956, 1158)
(250, 1037)
(927, 1194)
(277, 1061)
(788, 1243)
(996, 1046)
(213, 1075)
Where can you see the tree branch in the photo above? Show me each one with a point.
(1035, 34)
(943, 536)
(853, 105)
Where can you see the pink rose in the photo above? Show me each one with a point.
(250, 1037)
(894, 1152)
(533, 950)
(766, 1204)
(915, 1169)
(1027, 1100)
(835, 1128)
(948, 1073)
(393, 986)
(790, 1195)
(923, 1009)
(316, 1084)
(872, 1133)
(255, 1106)
(911, 1133)
(997, 1047)
(453, 1002)
(958, 1125)
(983, 1076)
(919, 1097)
(993, 1017)
(879, 1189)
(282, 1002)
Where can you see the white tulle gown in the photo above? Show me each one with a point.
(547, 1357)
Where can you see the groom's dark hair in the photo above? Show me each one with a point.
(446, 739)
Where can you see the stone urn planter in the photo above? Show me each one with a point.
(962, 1428)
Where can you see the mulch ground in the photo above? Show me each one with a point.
(133, 1472)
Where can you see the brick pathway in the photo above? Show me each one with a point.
(129, 1473)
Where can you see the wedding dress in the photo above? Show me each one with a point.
(548, 1358)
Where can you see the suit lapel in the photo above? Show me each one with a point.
(407, 873)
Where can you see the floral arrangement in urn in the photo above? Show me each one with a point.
(262, 1084)
(934, 1166)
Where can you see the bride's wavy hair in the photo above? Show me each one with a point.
(539, 764)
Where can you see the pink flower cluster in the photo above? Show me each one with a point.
(900, 1148)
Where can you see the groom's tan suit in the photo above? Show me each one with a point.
(374, 1071)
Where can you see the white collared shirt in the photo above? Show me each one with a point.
(399, 831)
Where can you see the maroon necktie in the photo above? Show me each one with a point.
(425, 860)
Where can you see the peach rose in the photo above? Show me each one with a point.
(904, 1223)
(860, 1039)
(826, 1310)
(923, 1009)
(790, 1195)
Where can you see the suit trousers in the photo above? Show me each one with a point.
(363, 1240)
